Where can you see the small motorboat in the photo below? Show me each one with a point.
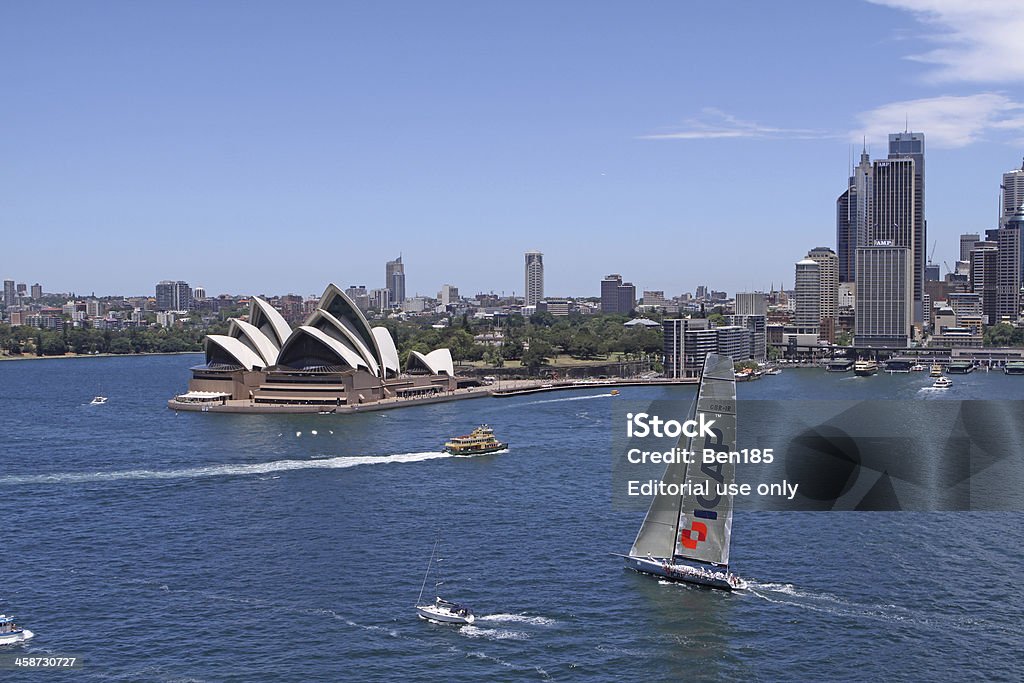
(98, 400)
(943, 382)
(615, 392)
(445, 612)
(10, 632)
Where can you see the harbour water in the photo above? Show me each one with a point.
(163, 546)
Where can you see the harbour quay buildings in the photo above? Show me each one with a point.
(687, 341)
(333, 359)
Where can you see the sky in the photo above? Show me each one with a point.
(271, 147)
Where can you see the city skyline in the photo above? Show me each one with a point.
(367, 130)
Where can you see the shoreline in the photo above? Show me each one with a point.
(68, 356)
(524, 387)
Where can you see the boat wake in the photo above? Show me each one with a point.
(568, 398)
(492, 633)
(516, 619)
(225, 470)
(828, 603)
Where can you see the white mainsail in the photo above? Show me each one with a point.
(698, 527)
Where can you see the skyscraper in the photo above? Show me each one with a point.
(395, 281)
(749, 303)
(807, 290)
(617, 296)
(37, 291)
(967, 241)
(883, 304)
(828, 289)
(1013, 193)
(984, 259)
(909, 145)
(853, 215)
(173, 295)
(10, 294)
(534, 290)
(1010, 262)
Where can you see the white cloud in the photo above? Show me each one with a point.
(947, 121)
(716, 124)
(978, 40)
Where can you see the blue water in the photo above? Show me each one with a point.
(160, 547)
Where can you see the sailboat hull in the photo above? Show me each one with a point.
(721, 579)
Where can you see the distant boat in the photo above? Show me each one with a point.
(98, 401)
(918, 367)
(942, 383)
(10, 632)
(480, 441)
(614, 392)
(686, 538)
(441, 610)
(936, 370)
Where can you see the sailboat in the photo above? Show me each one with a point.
(441, 610)
(686, 537)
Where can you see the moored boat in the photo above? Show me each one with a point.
(1014, 367)
(10, 632)
(936, 370)
(840, 365)
(960, 367)
(478, 442)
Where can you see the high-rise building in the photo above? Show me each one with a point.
(10, 293)
(199, 293)
(617, 296)
(359, 297)
(852, 217)
(395, 281)
(380, 299)
(751, 303)
(37, 291)
(908, 145)
(883, 304)
(828, 272)
(807, 305)
(1013, 193)
(173, 295)
(984, 258)
(534, 290)
(448, 295)
(1010, 262)
(967, 241)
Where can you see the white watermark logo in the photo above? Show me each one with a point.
(642, 424)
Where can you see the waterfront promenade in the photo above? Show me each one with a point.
(505, 388)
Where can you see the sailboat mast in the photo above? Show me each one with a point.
(427, 573)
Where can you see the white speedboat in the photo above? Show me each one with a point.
(445, 612)
(943, 382)
(98, 401)
(10, 632)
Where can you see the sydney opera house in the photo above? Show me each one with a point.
(335, 359)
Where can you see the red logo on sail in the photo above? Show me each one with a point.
(686, 536)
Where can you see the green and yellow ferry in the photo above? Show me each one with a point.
(479, 442)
